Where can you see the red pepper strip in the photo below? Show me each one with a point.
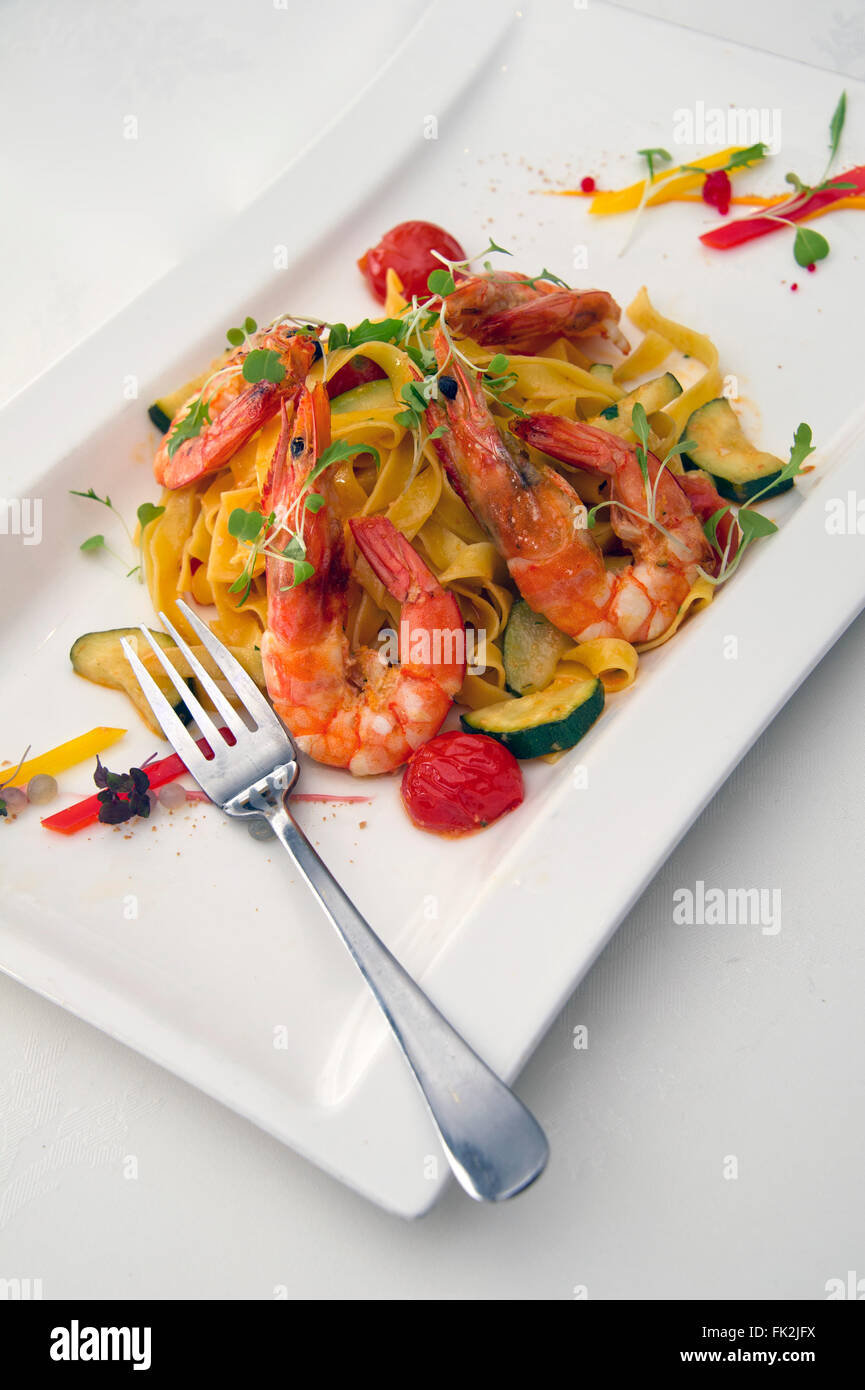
(87, 811)
(795, 210)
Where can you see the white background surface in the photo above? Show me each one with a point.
(703, 1043)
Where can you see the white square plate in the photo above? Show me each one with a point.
(199, 947)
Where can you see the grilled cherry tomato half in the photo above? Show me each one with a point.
(356, 372)
(460, 782)
(408, 249)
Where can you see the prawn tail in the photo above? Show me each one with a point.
(393, 559)
(432, 631)
(571, 442)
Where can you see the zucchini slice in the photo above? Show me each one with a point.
(652, 395)
(163, 411)
(98, 657)
(604, 370)
(371, 395)
(546, 722)
(531, 649)
(722, 449)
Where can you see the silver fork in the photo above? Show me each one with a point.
(493, 1144)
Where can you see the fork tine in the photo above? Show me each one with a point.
(226, 709)
(187, 695)
(231, 668)
(179, 737)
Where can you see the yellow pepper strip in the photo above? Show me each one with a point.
(66, 754)
(676, 195)
(626, 199)
(672, 182)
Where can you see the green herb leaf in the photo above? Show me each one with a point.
(314, 502)
(499, 364)
(337, 337)
(424, 358)
(747, 156)
(796, 182)
(93, 543)
(754, 524)
(338, 451)
(242, 586)
(245, 526)
(263, 364)
(91, 496)
(383, 331)
(295, 550)
(249, 326)
(190, 426)
(148, 512)
(554, 279)
(438, 432)
(640, 426)
(809, 246)
(441, 282)
(800, 450)
(663, 156)
(836, 125)
(737, 161)
(236, 337)
(710, 528)
(684, 446)
(303, 570)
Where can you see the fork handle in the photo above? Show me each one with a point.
(493, 1144)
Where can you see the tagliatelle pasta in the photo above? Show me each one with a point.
(189, 548)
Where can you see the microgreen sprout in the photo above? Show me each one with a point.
(259, 532)
(752, 525)
(640, 426)
(650, 156)
(810, 246)
(146, 513)
(238, 337)
(122, 794)
(741, 159)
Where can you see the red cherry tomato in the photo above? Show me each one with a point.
(408, 249)
(459, 782)
(356, 372)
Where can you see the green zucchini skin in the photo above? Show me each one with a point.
(370, 395)
(99, 657)
(527, 727)
(531, 649)
(652, 395)
(721, 448)
(604, 370)
(163, 410)
(158, 417)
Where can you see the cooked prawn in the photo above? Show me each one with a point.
(504, 309)
(539, 525)
(645, 597)
(350, 709)
(236, 409)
